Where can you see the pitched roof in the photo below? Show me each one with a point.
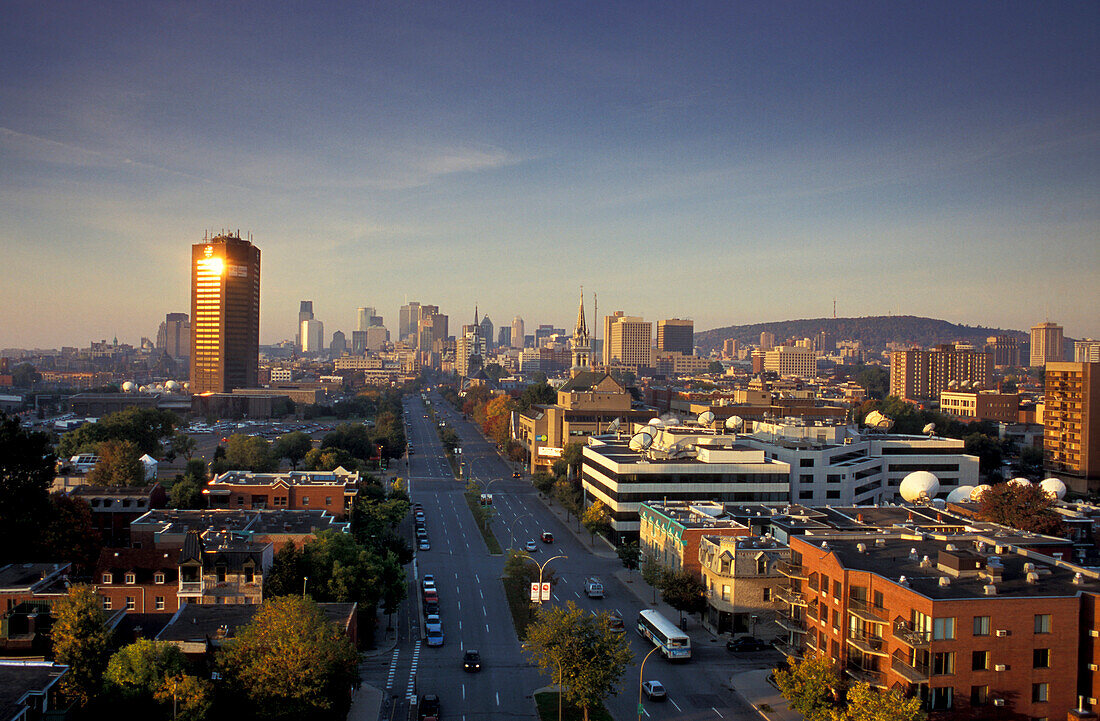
(584, 381)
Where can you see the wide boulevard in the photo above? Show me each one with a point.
(475, 613)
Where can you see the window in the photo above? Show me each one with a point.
(837, 591)
(761, 567)
(824, 583)
(1040, 658)
(305, 500)
(725, 593)
(981, 661)
(1042, 623)
(1040, 692)
(249, 575)
(160, 603)
(943, 663)
(941, 699)
(879, 600)
(130, 605)
(979, 695)
(833, 478)
(220, 574)
(806, 479)
(240, 500)
(832, 495)
(328, 500)
(130, 578)
(981, 625)
(805, 495)
(767, 593)
(806, 463)
(158, 577)
(943, 629)
(106, 604)
(836, 619)
(107, 578)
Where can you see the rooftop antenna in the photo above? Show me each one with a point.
(834, 307)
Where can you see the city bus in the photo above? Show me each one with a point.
(674, 643)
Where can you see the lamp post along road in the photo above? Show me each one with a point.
(511, 526)
(641, 672)
(541, 567)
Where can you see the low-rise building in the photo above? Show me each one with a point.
(114, 508)
(981, 405)
(30, 690)
(333, 491)
(167, 528)
(669, 532)
(743, 582)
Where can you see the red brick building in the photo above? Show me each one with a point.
(332, 491)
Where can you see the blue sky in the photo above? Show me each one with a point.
(727, 162)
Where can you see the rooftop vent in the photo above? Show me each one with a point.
(825, 544)
(950, 547)
(989, 589)
(880, 541)
(926, 562)
(903, 581)
(945, 581)
(1078, 579)
(913, 554)
(1032, 577)
(861, 547)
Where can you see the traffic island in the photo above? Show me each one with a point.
(518, 593)
(481, 518)
(546, 702)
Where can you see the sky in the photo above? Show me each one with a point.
(729, 162)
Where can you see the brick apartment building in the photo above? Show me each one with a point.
(978, 630)
(670, 532)
(333, 491)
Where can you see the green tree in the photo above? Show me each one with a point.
(538, 393)
(653, 573)
(190, 696)
(24, 375)
(290, 662)
(988, 450)
(874, 379)
(138, 669)
(81, 641)
(581, 649)
(716, 367)
(292, 446)
(119, 465)
(810, 687)
(685, 591)
(144, 427)
(70, 534)
(248, 453)
(495, 371)
(26, 472)
(1031, 461)
(1026, 507)
(866, 703)
(185, 493)
(630, 554)
(180, 444)
(543, 482)
(596, 519)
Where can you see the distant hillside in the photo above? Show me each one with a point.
(874, 331)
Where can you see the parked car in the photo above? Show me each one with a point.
(471, 661)
(428, 707)
(433, 624)
(431, 607)
(515, 474)
(547, 537)
(424, 545)
(435, 638)
(428, 581)
(654, 691)
(746, 643)
(532, 547)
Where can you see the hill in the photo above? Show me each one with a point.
(874, 331)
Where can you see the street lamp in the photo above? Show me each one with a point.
(511, 536)
(541, 567)
(641, 672)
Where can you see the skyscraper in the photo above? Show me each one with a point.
(174, 335)
(675, 334)
(225, 314)
(517, 332)
(363, 318)
(1046, 344)
(767, 340)
(313, 336)
(1071, 422)
(407, 323)
(629, 341)
(487, 332)
(305, 312)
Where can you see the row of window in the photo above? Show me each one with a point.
(131, 603)
(943, 629)
(943, 699)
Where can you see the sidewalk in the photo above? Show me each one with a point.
(366, 704)
(753, 686)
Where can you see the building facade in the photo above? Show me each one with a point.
(791, 361)
(1046, 344)
(921, 375)
(981, 405)
(1071, 423)
(331, 491)
(743, 582)
(676, 334)
(628, 341)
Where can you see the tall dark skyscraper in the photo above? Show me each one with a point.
(225, 314)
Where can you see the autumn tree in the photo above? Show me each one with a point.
(596, 519)
(119, 465)
(580, 649)
(810, 687)
(189, 696)
(247, 453)
(1026, 507)
(81, 641)
(498, 419)
(867, 703)
(136, 671)
(26, 472)
(685, 591)
(289, 662)
(292, 446)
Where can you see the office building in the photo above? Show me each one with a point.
(981, 405)
(487, 333)
(376, 338)
(305, 312)
(362, 318)
(174, 335)
(407, 323)
(921, 375)
(628, 341)
(1046, 344)
(1086, 351)
(1005, 350)
(504, 337)
(730, 348)
(312, 334)
(675, 334)
(225, 314)
(791, 361)
(359, 341)
(767, 340)
(339, 344)
(1071, 423)
(517, 332)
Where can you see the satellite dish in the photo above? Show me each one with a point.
(613, 426)
(706, 418)
(979, 491)
(655, 422)
(650, 429)
(962, 493)
(735, 423)
(1019, 482)
(171, 386)
(1053, 487)
(919, 486)
(647, 440)
(952, 384)
(929, 429)
(635, 442)
(128, 387)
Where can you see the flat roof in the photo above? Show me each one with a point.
(18, 678)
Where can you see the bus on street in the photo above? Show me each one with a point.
(674, 643)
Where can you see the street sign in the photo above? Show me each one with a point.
(535, 592)
(545, 591)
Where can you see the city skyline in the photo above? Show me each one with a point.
(724, 164)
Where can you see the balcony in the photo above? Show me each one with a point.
(812, 614)
(190, 588)
(872, 645)
(790, 596)
(790, 622)
(904, 632)
(789, 650)
(791, 570)
(867, 675)
(866, 612)
(912, 674)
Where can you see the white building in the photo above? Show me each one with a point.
(312, 334)
(791, 361)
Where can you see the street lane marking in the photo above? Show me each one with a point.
(463, 691)
(486, 628)
(717, 712)
(576, 594)
(675, 704)
(498, 698)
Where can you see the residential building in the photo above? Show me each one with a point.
(669, 532)
(767, 340)
(27, 592)
(676, 334)
(114, 508)
(628, 341)
(138, 580)
(1086, 351)
(168, 527)
(31, 691)
(197, 629)
(333, 491)
(225, 314)
(1005, 350)
(921, 375)
(743, 582)
(1046, 344)
(221, 569)
(1071, 420)
(791, 361)
(981, 405)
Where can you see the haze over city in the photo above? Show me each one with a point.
(723, 162)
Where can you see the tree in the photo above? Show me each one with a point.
(185, 493)
(70, 534)
(1026, 507)
(81, 641)
(810, 687)
(248, 453)
(538, 393)
(290, 662)
(190, 696)
(630, 554)
(573, 455)
(988, 450)
(874, 379)
(716, 367)
(26, 472)
(498, 418)
(495, 371)
(581, 650)
(136, 671)
(1031, 461)
(596, 519)
(684, 591)
(543, 482)
(180, 444)
(119, 465)
(866, 703)
(145, 427)
(653, 573)
(24, 375)
(292, 446)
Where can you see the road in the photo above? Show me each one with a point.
(475, 613)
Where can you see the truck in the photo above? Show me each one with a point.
(593, 588)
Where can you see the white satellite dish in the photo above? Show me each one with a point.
(706, 418)
(1019, 482)
(128, 387)
(979, 491)
(1053, 487)
(635, 443)
(735, 423)
(613, 426)
(962, 493)
(647, 440)
(919, 486)
(655, 422)
(929, 429)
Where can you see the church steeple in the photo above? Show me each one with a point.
(580, 342)
(582, 327)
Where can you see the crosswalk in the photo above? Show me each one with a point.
(410, 691)
(393, 669)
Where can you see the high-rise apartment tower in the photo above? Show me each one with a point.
(1046, 344)
(675, 334)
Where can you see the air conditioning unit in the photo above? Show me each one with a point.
(1000, 667)
(998, 702)
(1002, 632)
(1094, 633)
(1094, 667)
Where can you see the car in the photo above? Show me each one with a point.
(515, 474)
(471, 660)
(532, 547)
(547, 537)
(431, 607)
(428, 580)
(430, 596)
(433, 624)
(654, 691)
(435, 638)
(432, 618)
(424, 545)
(428, 708)
(746, 644)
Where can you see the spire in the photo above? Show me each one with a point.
(582, 328)
(475, 314)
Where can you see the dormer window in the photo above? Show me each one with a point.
(130, 577)
(107, 578)
(158, 577)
